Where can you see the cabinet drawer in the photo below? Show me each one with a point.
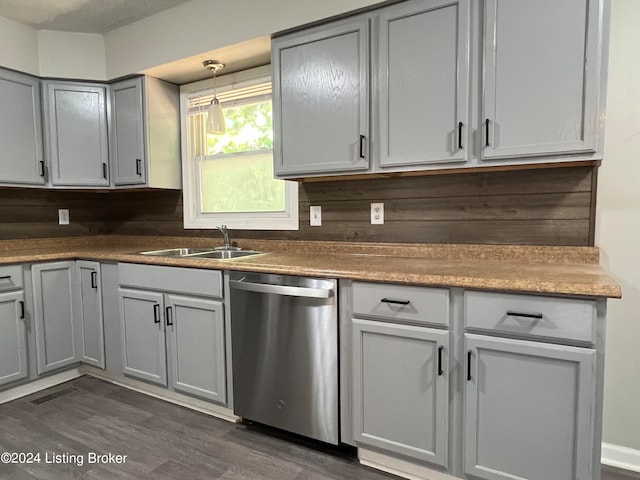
(11, 278)
(191, 281)
(559, 318)
(402, 302)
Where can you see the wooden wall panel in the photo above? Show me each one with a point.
(532, 207)
(33, 213)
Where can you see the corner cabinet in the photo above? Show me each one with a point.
(145, 133)
(76, 134)
(21, 157)
(321, 99)
(542, 65)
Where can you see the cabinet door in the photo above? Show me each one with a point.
(127, 130)
(55, 311)
(144, 353)
(21, 158)
(541, 87)
(77, 142)
(528, 410)
(321, 100)
(13, 338)
(90, 313)
(400, 382)
(196, 347)
(423, 75)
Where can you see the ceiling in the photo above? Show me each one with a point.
(86, 16)
(102, 16)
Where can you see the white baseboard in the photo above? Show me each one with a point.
(163, 394)
(401, 468)
(37, 385)
(621, 457)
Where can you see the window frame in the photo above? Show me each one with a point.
(192, 217)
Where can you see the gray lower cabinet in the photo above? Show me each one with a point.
(56, 315)
(21, 158)
(76, 134)
(173, 328)
(13, 338)
(90, 313)
(529, 410)
(401, 389)
(196, 346)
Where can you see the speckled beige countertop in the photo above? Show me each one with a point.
(550, 270)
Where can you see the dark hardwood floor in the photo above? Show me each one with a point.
(162, 441)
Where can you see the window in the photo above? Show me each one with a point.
(228, 179)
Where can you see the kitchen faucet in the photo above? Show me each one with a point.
(225, 234)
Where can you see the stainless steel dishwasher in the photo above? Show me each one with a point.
(284, 332)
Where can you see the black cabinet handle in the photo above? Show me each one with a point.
(440, 349)
(5, 277)
(94, 279)
(469, 366)
(104, 171)
(362, 140)
(21, 309)
(169, 315)
(138, 166)
(396, 302)
(41, 162)
(486, 132)
(156, 313)
(460, 125)
(526, 315)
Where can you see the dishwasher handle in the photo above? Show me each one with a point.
(281, 289)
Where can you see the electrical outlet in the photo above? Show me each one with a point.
(63, 216)
(377, 213)
(315, 215)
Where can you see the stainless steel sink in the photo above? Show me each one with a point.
(218, 253)
(226, 254)
(177, 252)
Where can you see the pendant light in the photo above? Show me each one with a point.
(215, 117)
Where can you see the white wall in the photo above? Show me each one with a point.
(18, 46)
(618, 227)
(204, 25)
(72, 55)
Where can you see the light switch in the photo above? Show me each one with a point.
(63, 216)
(315, 215)
(377, 213)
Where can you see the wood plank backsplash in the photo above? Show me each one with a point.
(553, 206)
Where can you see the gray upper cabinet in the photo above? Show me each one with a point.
(76, 134)
(529, 410)
(541, 87)
(127, 123)
(321, 99)
(401, 389)
(90, 313)
(13, 338)
(196, 346)
(423, 79)
(143, 335)
(55, 312)
(145, 133)
(21, 157)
